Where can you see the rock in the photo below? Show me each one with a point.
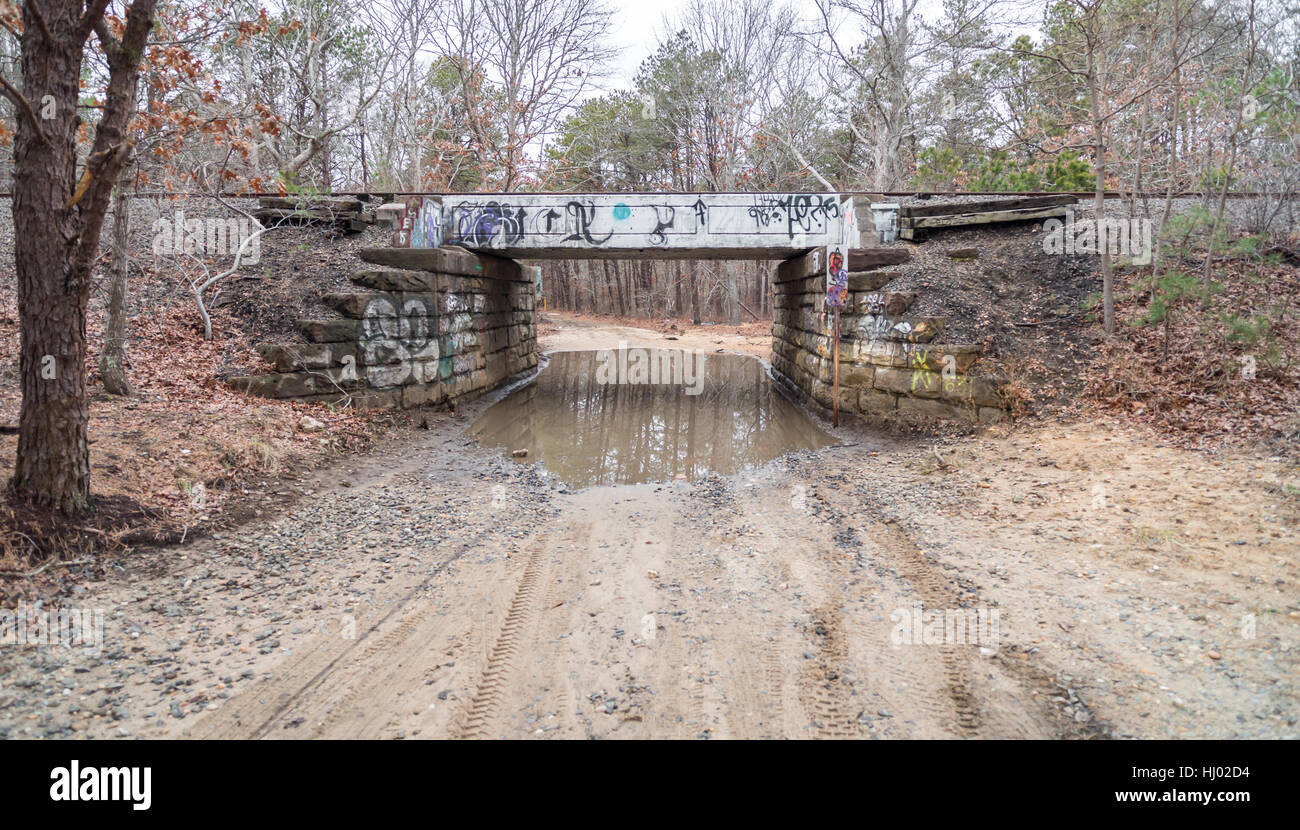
(870, 259)
(389, 214)
(870, 280)
(310, 424)
(519, 453)
(444, 260)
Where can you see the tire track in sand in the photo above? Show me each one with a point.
(494, 680)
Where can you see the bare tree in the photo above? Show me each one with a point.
(886, 72)
(539, 56)
(58, 215)
(340, 58)
(1093, 54)
(112, 357)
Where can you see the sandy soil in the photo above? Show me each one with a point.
(433, 589)
(566, 332)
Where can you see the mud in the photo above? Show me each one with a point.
(592, 418)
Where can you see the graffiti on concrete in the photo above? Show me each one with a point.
(420, 225)
(481, 225)
(396, 335)
(799, 212)
(881, 326)
(579, 216)
(636, 222)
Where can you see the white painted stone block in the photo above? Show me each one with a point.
(722, 225)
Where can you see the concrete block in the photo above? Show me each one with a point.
(936, 409)
(857, 375)
(331, 331)
(898, 381)
(296, 356)
(447, 259)
(880, 353)
(870, 280)
(936, 358)
(391, 279)
(873, 400)
(394, 374)
(389, 214)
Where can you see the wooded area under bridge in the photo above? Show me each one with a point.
(695, 289)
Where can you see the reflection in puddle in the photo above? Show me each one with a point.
(588, 430)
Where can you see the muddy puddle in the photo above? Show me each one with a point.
(631, 416)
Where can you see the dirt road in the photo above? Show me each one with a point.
(435, 589)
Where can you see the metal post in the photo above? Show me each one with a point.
(835, 377)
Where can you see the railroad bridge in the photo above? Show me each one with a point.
(448, 311)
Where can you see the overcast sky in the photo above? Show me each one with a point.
(637, 25)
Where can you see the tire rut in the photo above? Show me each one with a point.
(495, 677)
(937, 593)
(825, 690)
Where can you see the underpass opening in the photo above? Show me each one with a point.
(448, 311)
(841, 341)
(632, 415)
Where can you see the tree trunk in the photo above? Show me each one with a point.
(614, 288)
(1174, 116)
(53, 464)
(57, 224)
(677, 291)
(733, 294)
(1099, 200)
(695, 292)
(1207, 272)
(112, 360)
(365, 172)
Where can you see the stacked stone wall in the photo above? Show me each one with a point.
(423, 327)
(889, 361)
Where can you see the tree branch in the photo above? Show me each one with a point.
(39, 17)
(25, 107)
(94, 14)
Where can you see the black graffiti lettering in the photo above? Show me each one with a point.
(802, 212)
(657, 236)
(766, 210)
(808, 213)
(512, 227)
(580, 217)
(550, 215)
(701, 213)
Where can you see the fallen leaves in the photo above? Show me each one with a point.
(1196, 390)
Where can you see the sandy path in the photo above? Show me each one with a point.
(435, 590)
(572, 332)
